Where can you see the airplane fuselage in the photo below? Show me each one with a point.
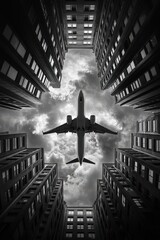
(80, 127)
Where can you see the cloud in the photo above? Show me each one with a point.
(80, 72)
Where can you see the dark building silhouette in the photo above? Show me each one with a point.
(31, 195)
(32, 46)
(126, 45)
(79, 223)
(128, 196)
(80, 20)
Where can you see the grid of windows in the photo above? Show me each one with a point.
(14, 41)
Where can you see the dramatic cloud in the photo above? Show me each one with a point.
(80, 72)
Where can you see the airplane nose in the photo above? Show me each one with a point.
(81, 95)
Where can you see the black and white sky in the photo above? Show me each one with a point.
(80, 72)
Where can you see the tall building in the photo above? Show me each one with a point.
(80, 21)
(79, 223)
(126, 46)
(128, 195)
(32, 46)
(18, 166)
(31, 195)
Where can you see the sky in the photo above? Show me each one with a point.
(79, 73)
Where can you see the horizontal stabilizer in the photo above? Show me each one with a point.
(88, 161)
(73, 161)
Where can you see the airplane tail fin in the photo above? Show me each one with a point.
(73, 161)
(88, 161)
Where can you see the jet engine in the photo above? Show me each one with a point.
(69, 119)
(92, 119)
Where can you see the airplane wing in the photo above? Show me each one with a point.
(64, 128)
(97, 128)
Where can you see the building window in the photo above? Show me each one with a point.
(91, 235)
(68, 235)
(90, 226)
(72, 25)
(80, 213)
(138, 141)
(143, 53)
(153, 71)
(117, 191)
(38, 94)
(72, 32)
(72, 43)
(131, 37)
(69, 226)
(147, 76)
(143, 142)
(69, 219)
(8, 70)
(142, 170)
(92, 7)
(154, 126)
(23, 82)
(123, 200)
(136, 28)
(157, 145)
(88, 31)
(7, 33)
(70, 212)
(150, 176)
(6, 176)
(17, 45)
(91, 17)
(79, 219)
(89, 219)
(149, 143)
(86, 42)
(72, 37)
(148, 126)
(80, 235)
(69, 17)
(80, 226)
(158, 181)
(70, 7)
(7, 145)
(86, 25)
(89, 213)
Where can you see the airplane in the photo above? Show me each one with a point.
(80, 125)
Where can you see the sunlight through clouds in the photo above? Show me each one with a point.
(40, 123)
(70, 74)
